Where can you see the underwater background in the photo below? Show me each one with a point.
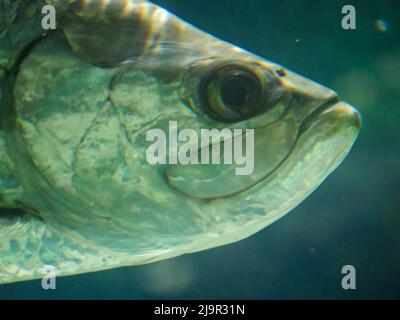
(353, 218)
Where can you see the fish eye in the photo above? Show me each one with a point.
(232, 93)
(236, 90)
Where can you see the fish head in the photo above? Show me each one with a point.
(109, 110)
(188, 82)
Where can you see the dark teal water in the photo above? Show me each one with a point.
(352, 219)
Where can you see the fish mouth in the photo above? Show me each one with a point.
(329, 130)
(342, 109)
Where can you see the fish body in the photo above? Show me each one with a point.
(77, 105)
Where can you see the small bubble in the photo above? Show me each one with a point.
(381, 25)
(297, 40)
(312, 250)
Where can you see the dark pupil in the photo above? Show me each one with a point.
(234, 92)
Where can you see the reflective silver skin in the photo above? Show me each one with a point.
(76, 104)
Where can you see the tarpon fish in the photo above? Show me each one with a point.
(77, 103)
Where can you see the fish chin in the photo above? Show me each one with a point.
(319, 150)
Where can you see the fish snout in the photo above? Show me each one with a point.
(340, 113)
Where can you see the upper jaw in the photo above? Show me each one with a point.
(333, 106)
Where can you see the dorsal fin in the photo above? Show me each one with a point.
(108, 33)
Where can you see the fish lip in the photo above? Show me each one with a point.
(331, 104)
